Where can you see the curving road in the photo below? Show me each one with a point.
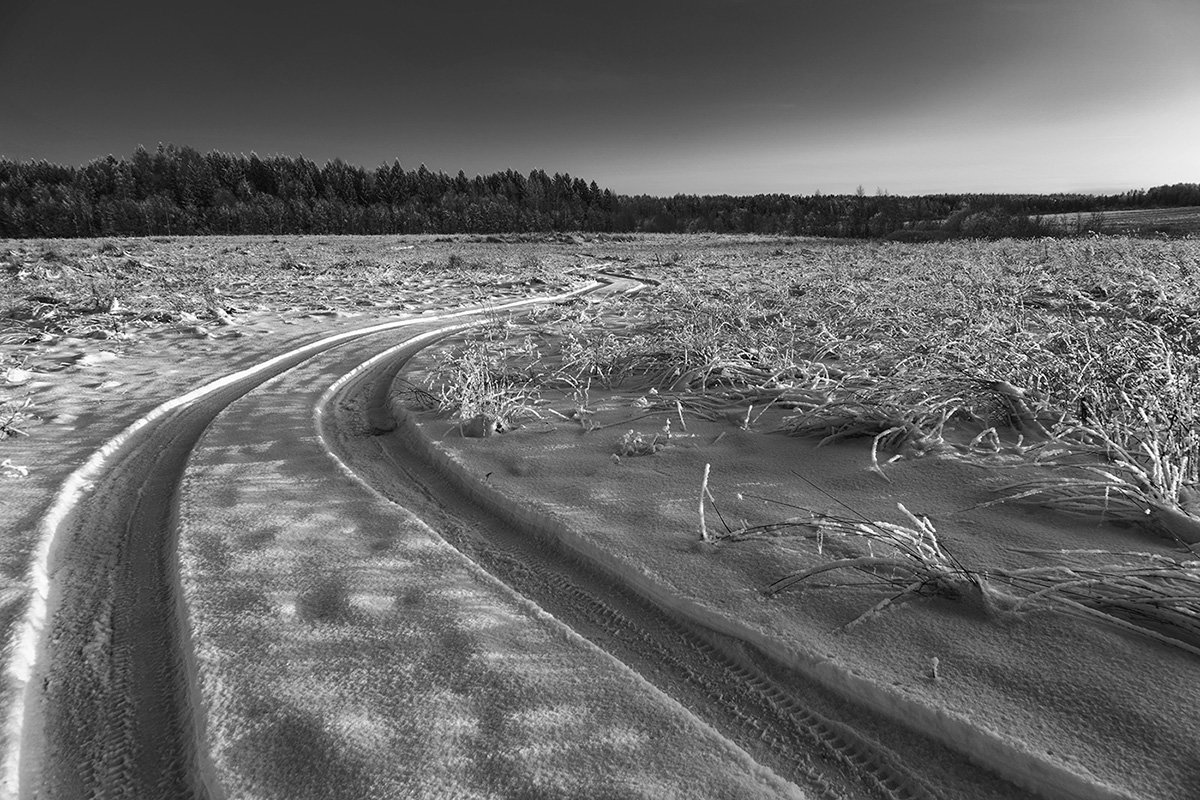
(98, 674)
(340, 600)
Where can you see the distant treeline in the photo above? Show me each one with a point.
(177, 190)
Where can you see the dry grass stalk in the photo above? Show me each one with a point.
(1147, 478)
(12, 415)
(912, 560)
(1155, 596)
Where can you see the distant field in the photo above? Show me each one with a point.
(1176, 221)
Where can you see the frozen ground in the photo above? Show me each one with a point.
(237, 563)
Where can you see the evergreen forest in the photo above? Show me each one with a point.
(179, 191)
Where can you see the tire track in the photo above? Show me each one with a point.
(755, 703)
(948, 748)
(99, 673)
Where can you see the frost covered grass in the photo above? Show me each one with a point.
(101, 287)
(1129, 449)
(1145, 476)
(1036, 353)
(487, 383)
(13, 413)
(1070, 369)
(1152, 594)
(905, 556)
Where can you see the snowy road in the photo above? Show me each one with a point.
(249, 594)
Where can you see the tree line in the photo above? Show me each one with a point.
(180, 191)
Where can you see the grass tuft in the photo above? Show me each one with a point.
(1149, 594)
(489, 378)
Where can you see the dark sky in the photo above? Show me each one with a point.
(657, 96)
